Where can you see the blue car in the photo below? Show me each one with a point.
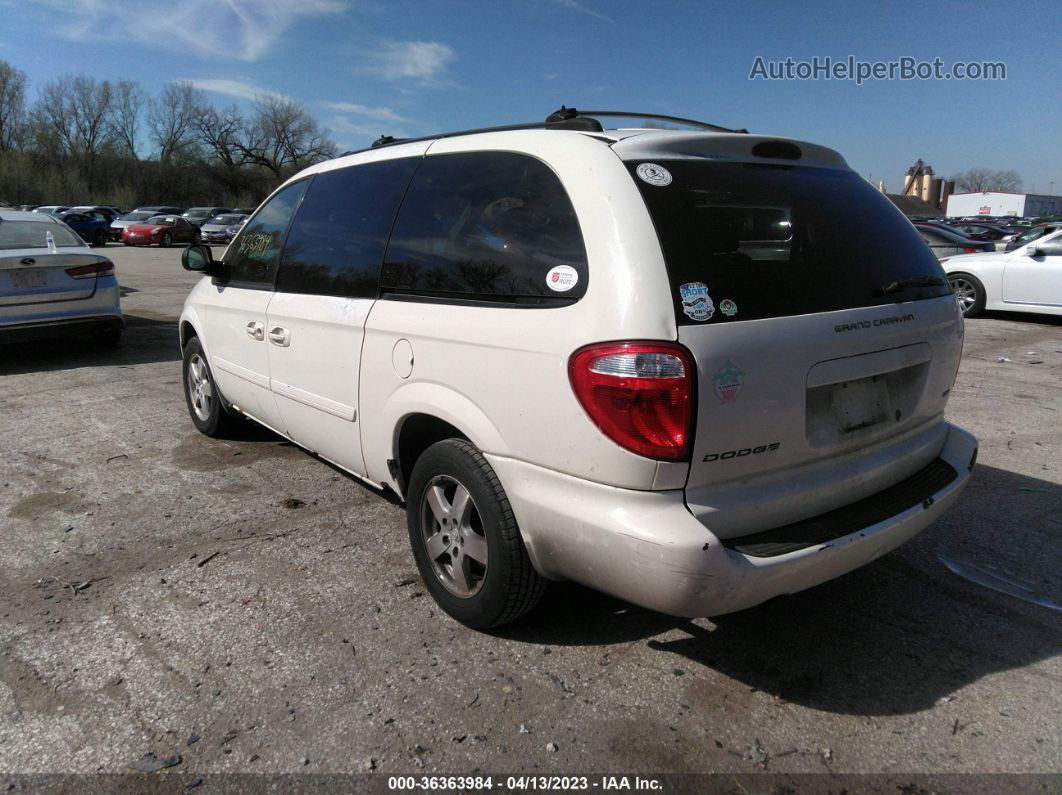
(92, 227)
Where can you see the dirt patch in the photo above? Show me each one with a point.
(47, 502)
(198, 453)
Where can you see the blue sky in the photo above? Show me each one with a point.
(363, 68)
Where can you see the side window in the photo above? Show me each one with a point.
(337, 241)
(252, 256)
(489, 226)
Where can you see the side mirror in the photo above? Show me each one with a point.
(1034, 251)
(201, 259)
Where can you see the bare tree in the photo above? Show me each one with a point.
(73, 112)
(282, 137)
(126, 114)
(172, 117)
(12, 106)
(220, 135)
(979, 180)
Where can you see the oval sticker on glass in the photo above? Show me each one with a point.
(562, 278)
(654, 174)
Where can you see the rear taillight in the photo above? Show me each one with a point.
(104, 268)
(968, 250)
(640, 394)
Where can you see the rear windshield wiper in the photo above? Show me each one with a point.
(904, 284)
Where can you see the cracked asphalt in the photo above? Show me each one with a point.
(253, 610)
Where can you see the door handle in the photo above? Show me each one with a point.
(279, 335)
(256, 330)
(27, 261)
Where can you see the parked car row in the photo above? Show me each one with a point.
(102, 222)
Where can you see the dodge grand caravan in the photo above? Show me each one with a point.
(693, 369)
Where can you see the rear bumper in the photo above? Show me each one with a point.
(647, 548)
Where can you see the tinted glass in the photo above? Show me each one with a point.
(933, 237)
(493, 226)
(337, 241)
(780, 241)
(34, 234)
(252, 256)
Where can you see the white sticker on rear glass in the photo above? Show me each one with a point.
(562, 278)
(654, 174)
(696, 303)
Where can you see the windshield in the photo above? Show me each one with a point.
(34, 234)
(198, 212)
(162, 220)
(755, 241)
(226, 220)
(139, 215)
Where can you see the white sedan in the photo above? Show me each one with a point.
(52, 284)
(1027, 279)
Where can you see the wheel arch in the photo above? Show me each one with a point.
(189, 326)
(428, 413)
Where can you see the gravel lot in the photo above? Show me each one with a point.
(248, 595)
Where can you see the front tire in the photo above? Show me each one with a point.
(101, 239)
(465, 539)
(969, 293)
(202, 396)
(166, 240)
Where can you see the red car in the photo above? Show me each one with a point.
(162, 229)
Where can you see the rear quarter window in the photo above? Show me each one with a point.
(750, 241)
(486, 226)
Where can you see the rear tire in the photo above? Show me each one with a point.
(969, 293)
(202, 396)
(465, 539)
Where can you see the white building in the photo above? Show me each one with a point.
(1028, 205)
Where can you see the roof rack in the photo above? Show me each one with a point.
(562, 119)
(565, 114)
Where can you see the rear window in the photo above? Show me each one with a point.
(486, 226)
(34, 234)
(750, 241)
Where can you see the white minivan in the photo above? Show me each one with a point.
(692, 369)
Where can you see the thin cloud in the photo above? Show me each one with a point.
(244, 30)
(346, 127)
(379, 113)
(411, 60)
(572, 5)
(232, 88)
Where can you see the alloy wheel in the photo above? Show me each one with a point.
(200, 390)
(453, 536)
(965, 293)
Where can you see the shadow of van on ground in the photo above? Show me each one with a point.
(891, 638)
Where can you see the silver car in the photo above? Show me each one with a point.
(217, 229)
(52, 284)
